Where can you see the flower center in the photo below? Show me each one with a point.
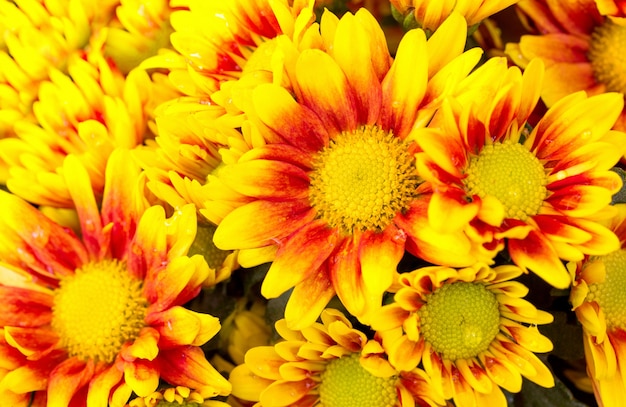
(512, 174)
(362, 180)
(345, 383)
(460, 320)
(609, 294)
(97, 310)
(607, 53)
(203, 244)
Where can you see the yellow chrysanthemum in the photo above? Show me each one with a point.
(541, 191)
(431, 14)
(329, 179)
(582, 46)
(470, 329)
(328, 364)
(88, 113)
(87, 320)
(597, 297)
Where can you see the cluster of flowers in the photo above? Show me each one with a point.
(311, 203)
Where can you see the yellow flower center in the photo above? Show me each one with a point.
(607, 54)
(460, 320)
(97, 310)
(512, 174)
(609, 294)
(345, 383)
(203, 244)
(362, 180)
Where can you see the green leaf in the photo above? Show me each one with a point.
(566, 336)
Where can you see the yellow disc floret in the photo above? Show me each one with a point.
(609, 294)
(607, 54)
(510, 173)
(97, 310)
(345, 383)
(460, 320)
(362, 180)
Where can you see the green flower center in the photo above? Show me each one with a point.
(512, 174)
(97, 310)
(609, 294)
(607, 54)
(460, 320)
(345, 383)
(203, 244)
(362, 180)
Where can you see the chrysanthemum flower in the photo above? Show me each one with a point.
(217, 41)
(470, 328)
(540, 192)
(597, 297)
(581, 49)
(329, 364)
(87, 320)
(87, 113)
(334, 185)
(431, 14)
(37, 35)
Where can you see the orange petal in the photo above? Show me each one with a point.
(101, 386)
(353, 54)
(32, 342)
(261, 223)
(180, 326)
(405, 84)
(24, 308)
(265, 179)
(300, 256)
(536, 253)
(187, 366)
(379, 255)
(308, 299)
(323, 88)
(295, 123)
(144, 346)
(120, 205)
(68, 379)
(142, 376)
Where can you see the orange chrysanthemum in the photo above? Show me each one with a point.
(332, 183)
(470, 329)
(329, 364)
(581, 48)
(597, 297)
(540, 192)
(87, 320)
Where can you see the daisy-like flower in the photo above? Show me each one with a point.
(542, 191)
(87, 113)
(334, 186)
(87, 320)
(581, 48)
(470, 328)
(431, 14)
(597, 297)
(37, 35)
(328, 364)
(217, 41)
